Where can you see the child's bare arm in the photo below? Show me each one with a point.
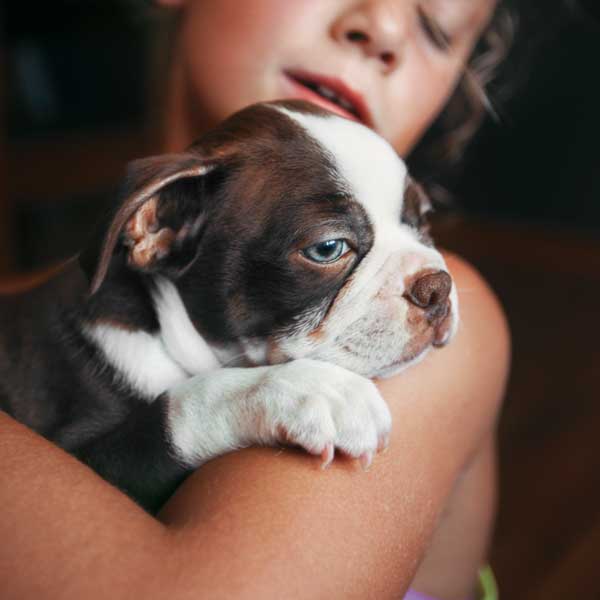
(252, 524)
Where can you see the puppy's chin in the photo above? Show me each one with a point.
(412, 355)
(398, 367)
(442, 336)
(416, 349)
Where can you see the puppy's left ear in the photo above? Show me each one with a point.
(159, 218)
(416, 207)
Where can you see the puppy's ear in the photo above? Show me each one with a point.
(416, 207)
(158, 221)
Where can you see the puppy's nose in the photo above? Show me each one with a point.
(430, 291)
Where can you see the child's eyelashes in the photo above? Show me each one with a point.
(435, 34)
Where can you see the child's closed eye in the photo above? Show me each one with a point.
(433, 31)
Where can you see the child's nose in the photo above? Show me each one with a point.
(377, 28)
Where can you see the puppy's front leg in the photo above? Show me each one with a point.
(318, 406)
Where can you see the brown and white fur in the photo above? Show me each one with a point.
(202, 317)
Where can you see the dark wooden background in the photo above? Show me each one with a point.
(547, 542)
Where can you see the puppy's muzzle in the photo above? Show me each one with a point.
(430, 291)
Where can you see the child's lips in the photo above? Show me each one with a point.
(331, 94)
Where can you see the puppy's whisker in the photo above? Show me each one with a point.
(233, 359)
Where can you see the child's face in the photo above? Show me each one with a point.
(399, 59)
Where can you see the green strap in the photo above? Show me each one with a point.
(487, 583)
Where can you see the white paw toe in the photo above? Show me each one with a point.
(322, 407)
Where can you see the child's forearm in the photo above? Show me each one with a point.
(65, 532)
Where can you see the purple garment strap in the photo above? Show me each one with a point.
(413, 595)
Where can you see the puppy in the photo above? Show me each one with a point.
(241, 293)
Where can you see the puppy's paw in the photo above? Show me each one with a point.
(322, 407)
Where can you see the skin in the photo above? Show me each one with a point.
(254, 523)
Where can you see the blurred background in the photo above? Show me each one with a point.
(80, 96)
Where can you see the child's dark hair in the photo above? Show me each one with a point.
(448, 137)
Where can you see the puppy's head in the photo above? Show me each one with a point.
(292, 233)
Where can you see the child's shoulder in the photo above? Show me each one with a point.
(482, 317)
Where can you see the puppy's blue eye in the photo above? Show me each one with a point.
(326, 252)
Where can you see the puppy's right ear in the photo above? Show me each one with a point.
(159, 219)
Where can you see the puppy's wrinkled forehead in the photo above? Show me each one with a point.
(367, 166)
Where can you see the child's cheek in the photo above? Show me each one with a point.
(415, 101)
(233, 52)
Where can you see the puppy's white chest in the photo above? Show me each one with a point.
(139, 357)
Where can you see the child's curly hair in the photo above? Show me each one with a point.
(446, 140)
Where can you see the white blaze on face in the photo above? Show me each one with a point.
(369, 318)
(369, 166)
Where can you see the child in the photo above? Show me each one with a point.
(257, 524)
